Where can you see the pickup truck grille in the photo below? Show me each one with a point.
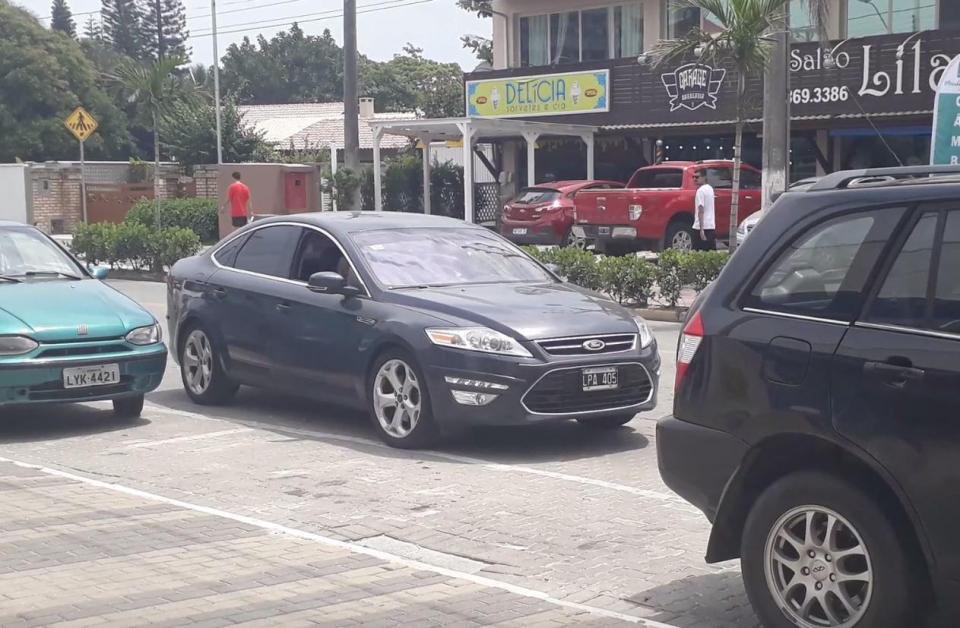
(589, 345)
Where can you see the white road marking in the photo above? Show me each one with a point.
(277, 528)
(185, 439)
(674, 501)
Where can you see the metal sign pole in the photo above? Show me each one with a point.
(83, 184)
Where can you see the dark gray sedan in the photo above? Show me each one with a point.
(428, 323)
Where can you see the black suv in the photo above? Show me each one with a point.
(817, 406)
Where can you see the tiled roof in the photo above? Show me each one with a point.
(315, 125)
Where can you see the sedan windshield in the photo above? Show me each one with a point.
(420, 258)
(28, 253)
(534, 196)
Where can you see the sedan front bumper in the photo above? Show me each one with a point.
(532, 391)
(41, 381)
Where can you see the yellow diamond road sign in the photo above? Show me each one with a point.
(81, 124)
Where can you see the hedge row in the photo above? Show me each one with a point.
(134, 245)
(632, 279)
(197, 214)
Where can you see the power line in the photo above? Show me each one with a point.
(253, 8)
(328, 12)
(287, 21)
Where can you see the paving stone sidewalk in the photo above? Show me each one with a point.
(74, 554)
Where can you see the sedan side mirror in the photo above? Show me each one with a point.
(100, 272)
(331, 283)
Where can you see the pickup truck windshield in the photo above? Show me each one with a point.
(658, 178)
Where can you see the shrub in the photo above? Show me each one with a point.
(134, 245)
(94, 243)
(171, 245)
(197, 214)
(702, 267)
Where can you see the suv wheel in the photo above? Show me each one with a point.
(679, 236)
(816, 551)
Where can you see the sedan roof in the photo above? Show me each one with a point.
(352, 222)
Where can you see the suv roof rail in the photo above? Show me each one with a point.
(877, 176)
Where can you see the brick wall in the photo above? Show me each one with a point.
(206, 179)
(56, 198)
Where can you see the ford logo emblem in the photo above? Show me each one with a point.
(594, 345)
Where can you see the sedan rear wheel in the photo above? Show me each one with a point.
(203, 378)
(818, 552)
(400, 404)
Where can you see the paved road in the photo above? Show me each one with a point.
(284, 511)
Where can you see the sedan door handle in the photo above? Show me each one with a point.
(219, 293)
(283, 307)
(894, 375)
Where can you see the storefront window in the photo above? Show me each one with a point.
(681, 18)
(881, 17)
(534, 40)
(565, 37)
(596, 34)
(628, 30)
(802, 26)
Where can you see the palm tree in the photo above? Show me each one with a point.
(744, 39)
(157, 89)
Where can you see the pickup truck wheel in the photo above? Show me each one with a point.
(679, 236)
(574, 241)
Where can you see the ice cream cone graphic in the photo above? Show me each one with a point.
(495, 98)
(575, 92)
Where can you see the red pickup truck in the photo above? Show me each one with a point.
(656, 209)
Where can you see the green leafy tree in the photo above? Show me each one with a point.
(43, 76)
(190, 137)
(164, 29)
(483, 8)
(482, 47)
(122, 27)
(743, 40)
(290, 67)
(410, 82)
(157, 88)
(62, 18)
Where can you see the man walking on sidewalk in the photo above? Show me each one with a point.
(238, 196)
(705, 220)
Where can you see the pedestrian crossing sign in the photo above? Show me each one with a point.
(81, 124)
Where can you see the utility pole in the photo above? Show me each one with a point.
(776, 115)
(216, 81)
(351, 103)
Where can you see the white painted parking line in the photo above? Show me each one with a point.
(672, 501)
(186, 439)
(352, 547)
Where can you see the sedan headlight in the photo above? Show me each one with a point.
(477, 339)
(645, 336)
(17, 345)
(143, 336)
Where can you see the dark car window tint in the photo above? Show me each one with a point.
(661, 178)
(823, 272)
(531, 196)
(227, 255)
(319, 254)
(424, 257)
(946, 301)
(749, 180)
(720, 178)
(269, 251)
(902, 299)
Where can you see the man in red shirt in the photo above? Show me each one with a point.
(238, 195)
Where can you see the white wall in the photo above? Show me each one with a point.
(13, 192)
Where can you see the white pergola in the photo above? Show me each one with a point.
(471, 131)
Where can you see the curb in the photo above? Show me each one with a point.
(135, 275)
(661, 314)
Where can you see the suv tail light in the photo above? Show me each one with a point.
(690, 339)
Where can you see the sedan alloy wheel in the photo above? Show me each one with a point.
(398, 401)
(198, 362)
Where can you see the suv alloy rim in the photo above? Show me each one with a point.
(397, 399)
(198, 362)
(817, 568)
(682, 241)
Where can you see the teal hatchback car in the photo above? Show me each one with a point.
(65, 336)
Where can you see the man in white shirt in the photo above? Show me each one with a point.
(705, 219)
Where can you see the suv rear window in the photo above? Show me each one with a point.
(661, 178)
(533, 196)
(823, 273)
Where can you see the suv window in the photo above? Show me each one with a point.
(227, 255)
(660, 178)
(749, 180)
(824, 271)
(269, 251)
(902, 298)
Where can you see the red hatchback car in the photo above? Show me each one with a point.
(543, 214)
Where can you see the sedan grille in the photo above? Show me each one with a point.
(589, 345)
(561, 392)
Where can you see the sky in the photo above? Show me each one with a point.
(383, 26)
